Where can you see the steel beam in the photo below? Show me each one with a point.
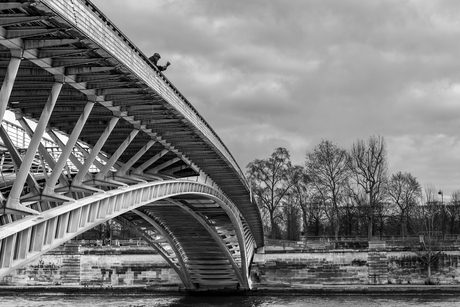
(8, 81)
(67, 150)
(78, 179)
(21, 176)
(149, 162)
(158, 168)
(40, 195)
(114, 158)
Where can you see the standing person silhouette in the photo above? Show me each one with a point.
(154, 59)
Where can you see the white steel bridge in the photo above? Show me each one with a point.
(134, 150)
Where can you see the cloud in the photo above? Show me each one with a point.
(433, 158)
(275, 73)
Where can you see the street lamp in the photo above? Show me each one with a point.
(443, 213)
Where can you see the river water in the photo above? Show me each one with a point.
(230, 301)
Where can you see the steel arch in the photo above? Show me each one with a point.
(26, 239)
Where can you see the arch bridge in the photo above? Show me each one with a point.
(104, 135)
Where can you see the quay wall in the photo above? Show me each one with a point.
(102, 266)
(105, 266)
(372, 263)
(310, 268)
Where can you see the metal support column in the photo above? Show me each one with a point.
(120, 175)
(62, 146)
(8, 82)
(21, 176)
(149, 162)
(41, 195)
(101, 177)
(67, 149)
(78, 180)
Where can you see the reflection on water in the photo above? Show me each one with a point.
(230, 301)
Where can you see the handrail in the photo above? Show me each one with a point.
(21, 140)
(331, 239)
(19, 136)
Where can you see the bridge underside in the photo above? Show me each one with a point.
(64, 65)
(206, 263)
(194, 227)
(112, 139)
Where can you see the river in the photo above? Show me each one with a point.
(228, 301)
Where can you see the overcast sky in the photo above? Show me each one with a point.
(268, 74)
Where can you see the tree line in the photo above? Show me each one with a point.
(341, 192)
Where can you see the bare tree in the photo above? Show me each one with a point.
(292, 217)
(369, 166)
(426, 222)
(328, 170)
(404, 190)
(453, 211)
(299, 194)
(349, 216)
(270, 183)
(357, 203)
(315, 213)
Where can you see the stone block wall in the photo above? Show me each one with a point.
(131, 265)
(338, 267)
(58, 267)
(71, 265)
(407, 268)
(111, 270)
(377, 263)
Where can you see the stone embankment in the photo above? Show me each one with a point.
(352, 263)
(95, 266)
(358, 267)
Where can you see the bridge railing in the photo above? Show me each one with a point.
(19, 136)
(331, 239)
(21, 141)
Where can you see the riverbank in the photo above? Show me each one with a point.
(322, 290)
(271, 290)
(289, 270)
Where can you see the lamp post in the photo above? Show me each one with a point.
(442, 212)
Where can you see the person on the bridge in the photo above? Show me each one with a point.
(154, 59)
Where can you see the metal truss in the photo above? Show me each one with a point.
(123, 143)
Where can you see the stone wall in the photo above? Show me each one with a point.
(405, 267)
(96, 266)
(126, 270)
(60, 266)
(376, 264)
(335, 267)
(136, 265)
